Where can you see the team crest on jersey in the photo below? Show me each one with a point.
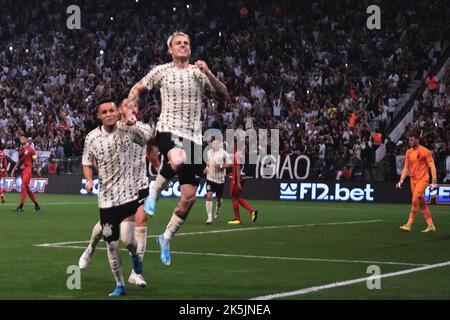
(107, 230)
(123, 147)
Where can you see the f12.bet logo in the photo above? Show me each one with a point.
(325, 192)
(441, 194)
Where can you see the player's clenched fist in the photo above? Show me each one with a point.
(89, 186)
(202, 66)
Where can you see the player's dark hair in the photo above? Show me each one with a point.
(105, 100)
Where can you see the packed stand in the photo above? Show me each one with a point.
(306, 69)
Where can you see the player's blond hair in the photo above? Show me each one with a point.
(177, 33)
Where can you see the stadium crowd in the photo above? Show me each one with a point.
(313, 70)
(431, 120)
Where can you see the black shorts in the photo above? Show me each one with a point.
(192, 170)
(143, 193)
(110, 219)
(215, 187)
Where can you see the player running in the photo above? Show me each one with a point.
(418, 162)
(27, 155)
(179, 136)
(218, 161)
(111, 146)
(140, 218)
(236, 189)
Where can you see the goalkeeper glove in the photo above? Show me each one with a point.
(399, 184)
(433, 185)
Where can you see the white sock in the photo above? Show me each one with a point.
(114, 261)
(127, 236)
(172, 227)
(209, 207)
(159, 185)
(141, 238)
(95, 237)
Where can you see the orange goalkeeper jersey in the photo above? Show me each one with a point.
(418, 162)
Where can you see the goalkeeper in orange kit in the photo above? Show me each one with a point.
(418, 162)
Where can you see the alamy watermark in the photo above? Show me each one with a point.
(374, 281)
(74, 280)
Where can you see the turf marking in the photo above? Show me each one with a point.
(349, 282)
(232, 230)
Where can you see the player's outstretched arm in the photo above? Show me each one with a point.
(220, 88)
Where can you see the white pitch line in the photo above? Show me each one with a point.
(349, 282)
(57, 203)
(260, 206)
(232, 230)
(258, 257)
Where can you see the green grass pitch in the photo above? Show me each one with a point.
(292, 246)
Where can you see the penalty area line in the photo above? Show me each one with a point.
(229, 230)
(226, 255)
(349, 282)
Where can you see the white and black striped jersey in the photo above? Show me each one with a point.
(140, 166)
(182, 93)
(114, 155)
(219, 157)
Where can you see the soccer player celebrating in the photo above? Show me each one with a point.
(3, 168)
(418, 162)
(179, 137)
(111, 146)
(27, 156)
(236, 189)
(140, 218)
(218, 161)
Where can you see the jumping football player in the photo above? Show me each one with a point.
(179, 137)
